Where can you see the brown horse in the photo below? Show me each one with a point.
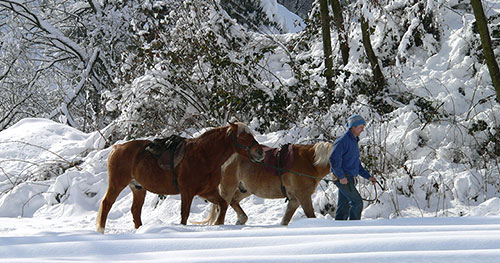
(242, 178)
(197, 174)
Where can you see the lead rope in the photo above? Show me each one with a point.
(376, 193)
(281, 170)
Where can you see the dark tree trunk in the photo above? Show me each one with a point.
(489, 56)
(339, 24)
(327, 42)
(377, 72)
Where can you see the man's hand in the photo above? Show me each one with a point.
(373, 179)
(343, 180)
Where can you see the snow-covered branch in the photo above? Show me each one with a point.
(84, 76)
(55, 35)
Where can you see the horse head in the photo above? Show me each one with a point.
(244, 142)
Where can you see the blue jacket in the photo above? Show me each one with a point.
(344, 159)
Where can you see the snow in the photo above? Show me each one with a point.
(473, 239)
(54, 220)
(52, 178)
(290, 22)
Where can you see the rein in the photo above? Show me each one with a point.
(319, 178)
(280, 169)
(280, 173)
(376, 193)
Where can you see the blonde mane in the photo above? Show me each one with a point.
(242, 128)
(322, 151)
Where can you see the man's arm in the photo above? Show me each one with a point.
(363, 172)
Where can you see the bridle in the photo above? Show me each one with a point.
(246, 148)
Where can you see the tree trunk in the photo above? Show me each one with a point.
(327, 41)
(339, 24)
(377, 72)
(489, 56)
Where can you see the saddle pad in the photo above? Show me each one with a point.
(271, 161)
(169, 152)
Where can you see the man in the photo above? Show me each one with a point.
(345, 164)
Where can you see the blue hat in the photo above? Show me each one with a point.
(355, 120)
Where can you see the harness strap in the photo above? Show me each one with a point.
(159, 146)
(280, 171)
(172, 143)
(176, 182)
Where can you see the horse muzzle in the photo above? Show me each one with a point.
(257, 153)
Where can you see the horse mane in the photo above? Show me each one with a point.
(322, 151)
(241, 128)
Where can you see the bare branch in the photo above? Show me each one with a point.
(43, 148)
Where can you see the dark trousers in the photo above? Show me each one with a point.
(350, 204)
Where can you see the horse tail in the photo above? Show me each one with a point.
(212, 217)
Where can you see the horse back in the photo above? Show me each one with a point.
(131, 161)
(123, 156)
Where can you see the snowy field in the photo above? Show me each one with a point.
(308, 240)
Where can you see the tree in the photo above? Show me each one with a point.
(339, 24)
(327, 42)
(489, 55)
(62, 56)
(201, 68)
(377, 72)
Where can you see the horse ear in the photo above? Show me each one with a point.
(233, 125)
(233, 120)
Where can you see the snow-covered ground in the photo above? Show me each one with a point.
(308, 240)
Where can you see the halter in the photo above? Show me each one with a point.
(246, 148)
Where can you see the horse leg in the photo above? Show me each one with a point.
(235, 204)
(186, 200)
(214, 213)
(138, 201)
(108, 201)
(218, 203)
(227, 195)
(293, 204)
(229, 179)
(306, 203)
(242, 216)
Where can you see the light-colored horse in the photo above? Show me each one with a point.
(242, 178)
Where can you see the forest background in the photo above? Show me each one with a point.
(136, 69)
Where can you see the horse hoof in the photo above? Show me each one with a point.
(241, 222)
(100, 230)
